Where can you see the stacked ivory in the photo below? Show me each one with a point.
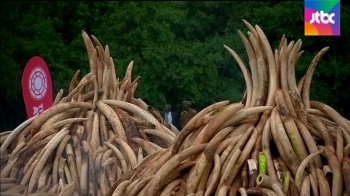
(100, 140)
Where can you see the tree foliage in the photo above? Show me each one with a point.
(177, 47)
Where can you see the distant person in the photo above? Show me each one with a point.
(187, 113)
(171, 117)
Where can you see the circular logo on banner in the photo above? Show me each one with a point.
(38, 83)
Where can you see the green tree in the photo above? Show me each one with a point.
(177, 48)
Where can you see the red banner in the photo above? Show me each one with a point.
(37, 86)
